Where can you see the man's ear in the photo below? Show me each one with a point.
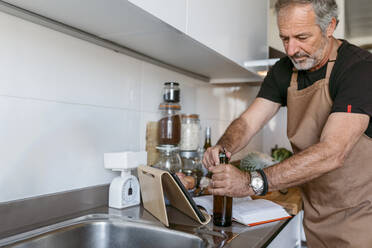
(331, 27)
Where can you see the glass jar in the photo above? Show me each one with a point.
(191, 165)
(169, 132)
(171, 92)
(190, 132)
(169, 158)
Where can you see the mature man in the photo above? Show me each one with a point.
(326, 85)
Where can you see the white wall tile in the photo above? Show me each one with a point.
(47, 147)
(219, 106)
(275, 132)
(145, 118)
(208, 103)
(45, 64)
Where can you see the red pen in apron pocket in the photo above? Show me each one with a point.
(349, 108)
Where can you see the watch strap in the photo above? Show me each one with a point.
(266, 185)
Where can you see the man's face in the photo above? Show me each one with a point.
(302, 38)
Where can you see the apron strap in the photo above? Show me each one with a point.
(294, 78)
(330, 65)
(332, 58)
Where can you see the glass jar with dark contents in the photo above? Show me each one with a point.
(171, 92)
(169, 124)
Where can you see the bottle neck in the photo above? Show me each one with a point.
(207, 143)
(208, 133)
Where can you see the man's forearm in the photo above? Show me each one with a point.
(241, 130)
(322, 157)
(237, 136)
(303, 167)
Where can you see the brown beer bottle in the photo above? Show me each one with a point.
(222, 205)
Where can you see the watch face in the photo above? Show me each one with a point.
(257, 183)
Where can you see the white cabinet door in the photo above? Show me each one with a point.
(291, 235)
(234, 28)
(172, 12)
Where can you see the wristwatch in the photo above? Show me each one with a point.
(259, 182)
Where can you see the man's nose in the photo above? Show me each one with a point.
(292, 47)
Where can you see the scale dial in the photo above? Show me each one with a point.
(130, 191)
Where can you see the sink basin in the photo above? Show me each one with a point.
(103, 231)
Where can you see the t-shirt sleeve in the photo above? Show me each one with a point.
(270, 89)
(354, 90)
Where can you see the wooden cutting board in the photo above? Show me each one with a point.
(292, 201)
(151, 142)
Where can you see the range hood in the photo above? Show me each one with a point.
(123, 27)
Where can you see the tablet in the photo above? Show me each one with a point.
(188, 197)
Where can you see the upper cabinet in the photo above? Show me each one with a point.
(208, 39)
(173, 12)
(234, 28)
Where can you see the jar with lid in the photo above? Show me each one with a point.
(190, 132)
(169, 132)
(169, 158)
(171, 92)
(191, 165)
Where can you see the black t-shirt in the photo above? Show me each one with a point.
(350, 82)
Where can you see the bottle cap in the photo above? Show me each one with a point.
(172, 83)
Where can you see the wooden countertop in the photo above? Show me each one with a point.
(291, 201)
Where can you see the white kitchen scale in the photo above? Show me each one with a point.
(124, 189)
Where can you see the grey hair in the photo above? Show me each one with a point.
(324, 10)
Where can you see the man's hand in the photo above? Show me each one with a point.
(241, 130)
(211, 156)
(229, 181)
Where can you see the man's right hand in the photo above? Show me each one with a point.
(211, 156)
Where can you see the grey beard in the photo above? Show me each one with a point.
(311, 61)
(305, 65)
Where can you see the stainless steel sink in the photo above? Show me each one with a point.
(103, 231)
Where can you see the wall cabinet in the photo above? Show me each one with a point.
(234, 28)
(207, 39)
(172, 12)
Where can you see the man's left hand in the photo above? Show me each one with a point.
(229, 181)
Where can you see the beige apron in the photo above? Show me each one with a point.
(338, 204)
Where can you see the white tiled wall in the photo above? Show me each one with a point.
(275, 132)
(64, 102)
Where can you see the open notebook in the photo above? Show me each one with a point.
(247, 211)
